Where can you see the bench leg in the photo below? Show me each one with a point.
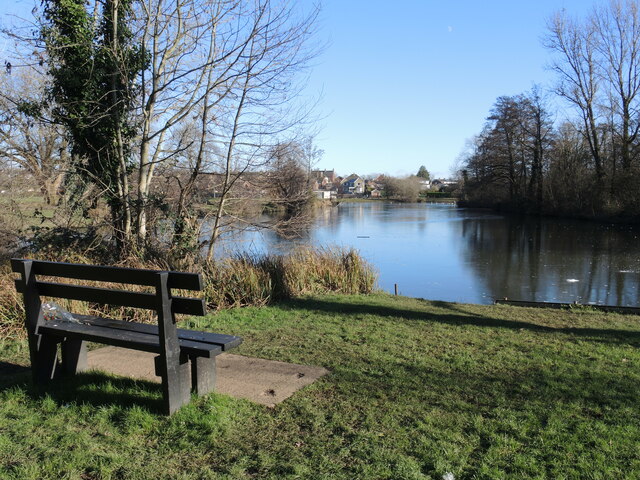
(74, 356)
(176, 389)
(203, 375)
(46, 360)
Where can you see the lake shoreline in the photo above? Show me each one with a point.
(442, 252)
(506, 209)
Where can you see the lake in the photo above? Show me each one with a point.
(441, 252)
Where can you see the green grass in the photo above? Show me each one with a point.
(417, 389)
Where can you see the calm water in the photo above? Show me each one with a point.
(441, 252)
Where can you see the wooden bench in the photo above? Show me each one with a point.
(186, 359)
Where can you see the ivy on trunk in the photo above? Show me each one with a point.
(94, 68)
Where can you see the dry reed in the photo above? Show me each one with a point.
(241, 280)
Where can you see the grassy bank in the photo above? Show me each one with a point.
(417, 389)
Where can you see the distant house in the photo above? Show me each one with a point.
(375, 184)
(323, 194)
(323, 179)
(442, 184)
(352, 185)
(424, 184)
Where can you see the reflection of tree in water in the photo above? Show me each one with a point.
(540, 259)
(293, 226)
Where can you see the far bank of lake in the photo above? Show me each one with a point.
(441, 252)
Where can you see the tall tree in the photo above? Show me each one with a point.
(538, 130)
(507, 138)
(617, 29)
(510, 155)
(129, 76)
(28, 138)
(93, 64)
(231, 66)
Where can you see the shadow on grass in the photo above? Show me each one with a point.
(452, 384)
(94, 388)
(470, 390)
(460, 317)
(7, 368)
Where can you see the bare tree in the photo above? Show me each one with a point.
(289, 177)
(231, 65)
(507, 158)
(577, 69)
(617, 30)
(31, 141)
(538, 129)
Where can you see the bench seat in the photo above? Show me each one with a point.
(120, 337)
(200, 347)
(226, 342)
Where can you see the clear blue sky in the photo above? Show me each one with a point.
(405, 83)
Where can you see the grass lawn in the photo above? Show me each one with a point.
(417, 389)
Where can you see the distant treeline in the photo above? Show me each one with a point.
(586, 165)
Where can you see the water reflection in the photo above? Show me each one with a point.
(555, 260)
(444, 253)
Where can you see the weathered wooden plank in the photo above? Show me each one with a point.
(131, 276)
(97, 295)
(33, 317)
(107, 296)
(226, 342)
(176, 386)
(74, 356)
(46, 361)
(203, 375)
(189, 306)
(123, 338)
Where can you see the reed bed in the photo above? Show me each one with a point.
(11, 307)
(245, 279)
(258, 279)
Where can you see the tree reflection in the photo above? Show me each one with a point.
(541, 259)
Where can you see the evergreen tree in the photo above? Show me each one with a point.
(423, 173)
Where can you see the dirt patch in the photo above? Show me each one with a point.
(267, 382)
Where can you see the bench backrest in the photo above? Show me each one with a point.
(43, 351)
(29, 269)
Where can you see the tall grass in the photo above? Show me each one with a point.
(259, 279)
(11, 307)
(245, 279)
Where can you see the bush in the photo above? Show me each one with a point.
(402, 189)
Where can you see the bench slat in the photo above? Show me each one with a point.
(130, 276)
(124, 338)
(186, 306)
(226, 342)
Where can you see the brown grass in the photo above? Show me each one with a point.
(242, 280)
(249, 279)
